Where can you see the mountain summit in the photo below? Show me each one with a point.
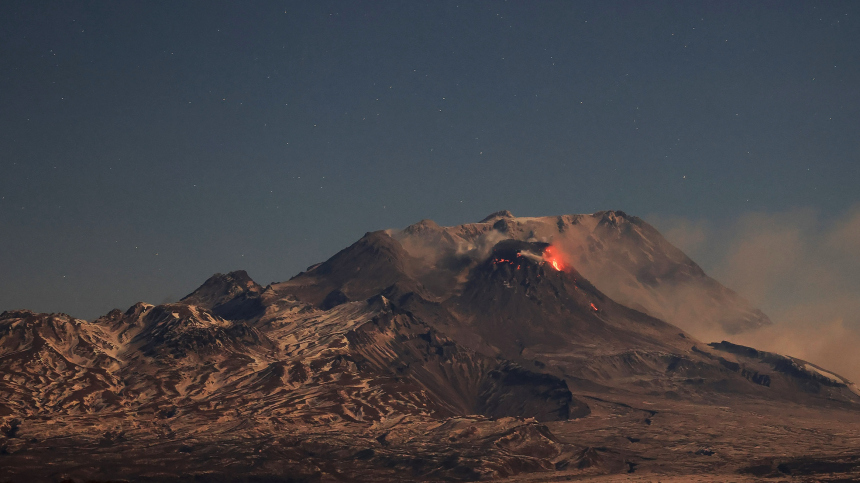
(622, 255)
(445, 353)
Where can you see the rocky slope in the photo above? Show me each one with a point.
(447, 353)
(622, 255)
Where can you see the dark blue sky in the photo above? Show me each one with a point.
(146, 145)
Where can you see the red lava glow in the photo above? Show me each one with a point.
(551, 256)
(593, 307)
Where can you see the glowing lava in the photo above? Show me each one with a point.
(551, 256)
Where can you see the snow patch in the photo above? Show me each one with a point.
(821, 372)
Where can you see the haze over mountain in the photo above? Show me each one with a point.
(468, 352)
(624, 256)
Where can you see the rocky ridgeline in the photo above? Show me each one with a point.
(455, 343)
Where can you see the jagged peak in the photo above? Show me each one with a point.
(422, 226)
(236, 277)
(114, 313)
(221, 288)
(138, 308)
(497, 215)
(17, 314)
(30, 318)
(196, 313)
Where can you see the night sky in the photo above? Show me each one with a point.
(147, 145)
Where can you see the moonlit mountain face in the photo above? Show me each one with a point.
(622, 255)
(523, 348)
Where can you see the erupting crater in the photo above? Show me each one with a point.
(551, 255)
(520, 253)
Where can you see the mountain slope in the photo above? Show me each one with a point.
(56, 364)
(440, 353)
(622, 255)
(231, 296)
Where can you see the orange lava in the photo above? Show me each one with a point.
(593, 307)
(551, 256)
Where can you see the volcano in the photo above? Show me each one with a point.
(520, 348)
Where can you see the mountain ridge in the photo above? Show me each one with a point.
(484, 328)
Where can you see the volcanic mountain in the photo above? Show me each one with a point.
(435, 352)
(622, 255)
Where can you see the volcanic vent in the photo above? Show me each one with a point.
(443, 353)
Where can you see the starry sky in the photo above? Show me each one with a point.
(147, 145)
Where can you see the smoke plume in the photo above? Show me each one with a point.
(801, 267)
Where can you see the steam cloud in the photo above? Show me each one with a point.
(800, 267)
(434, 250)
